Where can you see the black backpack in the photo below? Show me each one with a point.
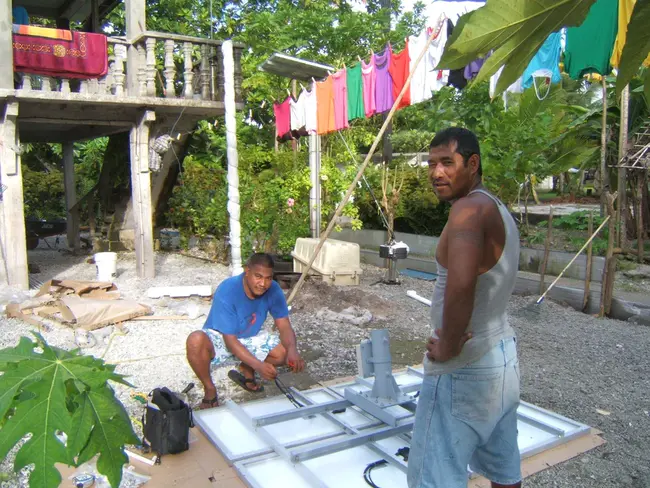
(166, 423)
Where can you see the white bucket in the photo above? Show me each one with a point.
(106, 263)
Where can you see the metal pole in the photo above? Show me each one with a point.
(231, 152)
(314, 192)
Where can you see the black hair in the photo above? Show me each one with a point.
(260, 259)
(466, 143)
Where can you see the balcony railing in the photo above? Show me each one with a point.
(166, 66)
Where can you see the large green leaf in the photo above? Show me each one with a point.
(54, 392)
(637, 44)
(514, 29)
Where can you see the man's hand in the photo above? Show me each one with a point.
(267, 371)
(439, 350)
(294, 361)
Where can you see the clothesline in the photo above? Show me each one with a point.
(369, 88)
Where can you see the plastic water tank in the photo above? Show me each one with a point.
(338, 262)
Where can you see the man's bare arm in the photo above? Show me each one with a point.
(287, 335)
(465, 243)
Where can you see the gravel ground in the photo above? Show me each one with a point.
(571, 363)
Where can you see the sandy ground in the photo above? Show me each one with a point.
(571, 363)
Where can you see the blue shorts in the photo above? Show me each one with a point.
(468, 419)
(259, 346)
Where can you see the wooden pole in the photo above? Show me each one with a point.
(639, 217)
(547, 250)
(621, 208)
(604, 180)
(609, 271)
(363, 167)
(590, 250)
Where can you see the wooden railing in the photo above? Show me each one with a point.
(166, 66)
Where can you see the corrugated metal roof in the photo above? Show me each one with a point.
(295, 68)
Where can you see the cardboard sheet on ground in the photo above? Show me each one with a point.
(203, 461)
(92, 314)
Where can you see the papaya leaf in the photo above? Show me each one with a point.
(514, 30)
(64, 402)
(637, 45)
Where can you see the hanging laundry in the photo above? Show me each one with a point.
(546, 63)
(298, 116)
(456, 76)
(399, 73)
(436, 79)
(282, 113)
(419, 89)
(384, 83)
(516, 87)
(311, 110)
(355, 93)
(472, 69)
(325, 100)
(340, 99)
(369, 77)
(589, 46)
(625, 8)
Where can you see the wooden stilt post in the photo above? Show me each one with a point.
(12, 231)
(609, 271)
(72, 222)
(590, 251)
(141, 195)
(547, 250)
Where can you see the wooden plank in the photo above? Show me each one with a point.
(547, 250)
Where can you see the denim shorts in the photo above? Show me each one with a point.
(467, 420)
(259, 346)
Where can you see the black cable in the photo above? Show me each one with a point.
(287, 393)
(369, 468)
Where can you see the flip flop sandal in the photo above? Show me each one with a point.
(207, 403)
(242, 381)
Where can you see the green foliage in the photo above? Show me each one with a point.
(515, 29)
(273, 186)
(574, 221)
(48, 392)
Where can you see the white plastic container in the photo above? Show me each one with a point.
(106, 263)
(338, 262)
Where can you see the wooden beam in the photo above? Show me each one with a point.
(141, 195)
(6, 47)
(604, 177)
(136, 24)
(72, 222)
(12, 218)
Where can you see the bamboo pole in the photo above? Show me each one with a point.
(607, 287)
(639, 218)
(547, 250)
(622, 207)
(590, 249)
(591, 238)
(363, 167)
(604, 180)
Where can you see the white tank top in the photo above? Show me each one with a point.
(489, 322)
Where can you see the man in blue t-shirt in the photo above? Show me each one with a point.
(232, 331)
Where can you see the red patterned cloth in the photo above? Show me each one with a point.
(84, 57)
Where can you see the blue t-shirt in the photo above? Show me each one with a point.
(233, 313)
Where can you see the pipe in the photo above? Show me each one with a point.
(231, 153)
(413, 294)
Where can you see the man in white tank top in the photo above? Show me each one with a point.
(467, 408)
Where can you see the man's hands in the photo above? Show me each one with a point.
(294, 361)
(267, 371)
(440, 350)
